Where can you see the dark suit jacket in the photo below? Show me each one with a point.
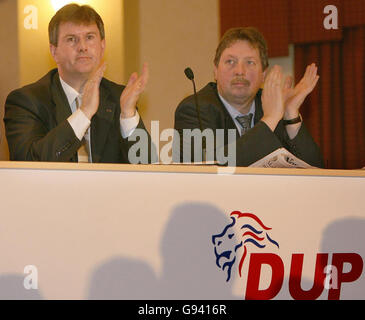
(37, 128)
(258, 142)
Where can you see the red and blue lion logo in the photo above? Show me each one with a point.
(226, 248)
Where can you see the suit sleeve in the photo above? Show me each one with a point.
(302, 146)
(138, 148)
(186, 120)
(29, 135)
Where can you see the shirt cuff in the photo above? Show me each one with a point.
(79, 123)
(128, 125)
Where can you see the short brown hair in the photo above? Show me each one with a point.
(250, 34)
(77, 14)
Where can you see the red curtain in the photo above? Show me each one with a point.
(335, 111)
(270, 17)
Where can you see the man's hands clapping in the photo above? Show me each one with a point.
(128, 99)
(281, 101)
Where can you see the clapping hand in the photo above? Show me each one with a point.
(272, 97)
(129, 97)
(294, 97)
(90, 95)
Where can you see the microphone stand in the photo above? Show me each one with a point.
(190, 75)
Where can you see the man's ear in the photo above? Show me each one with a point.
(264, 77)
(265, 73)
(215, 70)
(103, 44)
(52, 49)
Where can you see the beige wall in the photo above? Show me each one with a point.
(9, 62)
(34, 57)
(174, 34)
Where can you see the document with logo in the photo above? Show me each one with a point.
(281, 158)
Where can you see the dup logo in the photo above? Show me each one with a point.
(247, 235)
(253, 233)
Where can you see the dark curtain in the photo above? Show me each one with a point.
(335, 111)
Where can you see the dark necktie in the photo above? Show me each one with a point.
(245, 122)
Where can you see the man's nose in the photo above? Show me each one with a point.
(240, 69)
(82, 46)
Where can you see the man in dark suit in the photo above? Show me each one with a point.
(73, 113)
(262, 120)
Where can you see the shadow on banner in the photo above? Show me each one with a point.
(189, 268)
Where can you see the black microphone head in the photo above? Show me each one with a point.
(189, 73)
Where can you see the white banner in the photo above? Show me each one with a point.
(147, 233)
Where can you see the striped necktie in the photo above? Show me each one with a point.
(245, 122)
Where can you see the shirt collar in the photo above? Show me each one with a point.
(70, 92)
(235, 113)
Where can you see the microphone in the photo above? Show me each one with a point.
(190, 75)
